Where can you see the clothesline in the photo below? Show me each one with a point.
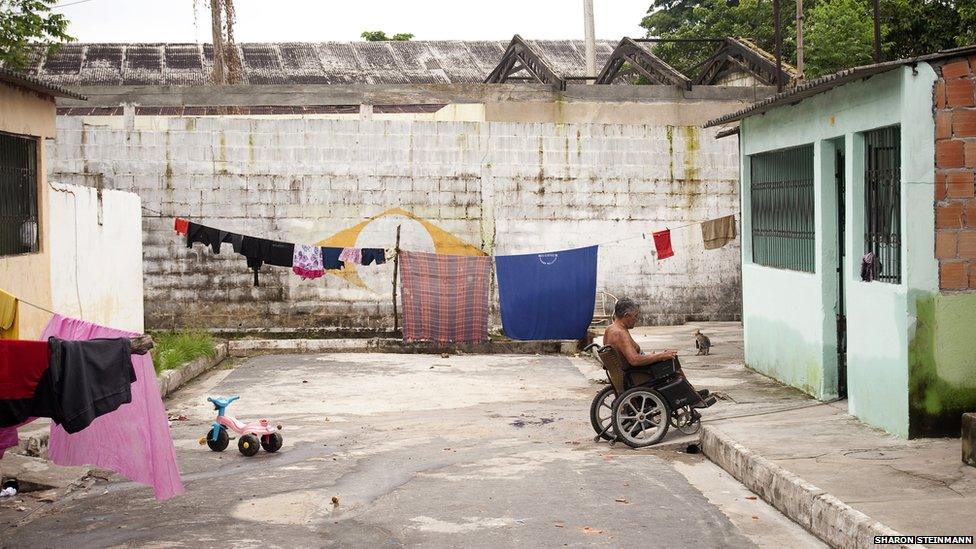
(603, 243)
(644, 235)
(25, 302)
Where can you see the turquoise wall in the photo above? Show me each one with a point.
(881, 318)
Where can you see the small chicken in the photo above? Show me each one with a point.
(702, 343)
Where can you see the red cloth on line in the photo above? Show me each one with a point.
(181, 226)
(22, 364)
(662, 241)
(444, 297)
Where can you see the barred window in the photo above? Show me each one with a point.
(19, 231)
(781, 196)
(882, 201)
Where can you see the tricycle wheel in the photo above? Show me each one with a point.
(248, 445)
(271, 443)
(222, 441)
(601, 412)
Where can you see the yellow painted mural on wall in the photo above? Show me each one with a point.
(444, 242)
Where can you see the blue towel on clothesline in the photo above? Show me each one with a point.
(549, 295)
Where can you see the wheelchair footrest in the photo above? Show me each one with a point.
(706, 402)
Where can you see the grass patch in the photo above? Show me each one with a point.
(175, 348)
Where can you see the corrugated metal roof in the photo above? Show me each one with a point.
(824, 83)
(413, 62)
(32, 83)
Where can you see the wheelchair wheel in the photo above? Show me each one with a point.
(641, 417)
(601, 413)
(686, 420)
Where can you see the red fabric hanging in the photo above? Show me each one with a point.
(662, 241)
(181, 226)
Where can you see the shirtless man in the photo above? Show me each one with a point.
(617, 335)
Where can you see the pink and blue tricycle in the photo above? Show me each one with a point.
(253, 436)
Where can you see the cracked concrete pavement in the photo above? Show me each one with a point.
(471, 450)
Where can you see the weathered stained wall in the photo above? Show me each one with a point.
(882, 320)
(27, 276)
(505, 188)
(97, 228)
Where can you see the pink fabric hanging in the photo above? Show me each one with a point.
(134, 440)
(8, 438)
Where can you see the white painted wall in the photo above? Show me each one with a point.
(96, 255)
(503, 187)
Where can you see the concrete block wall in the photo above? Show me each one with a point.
(503, 187)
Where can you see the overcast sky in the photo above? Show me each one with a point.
(320, 20)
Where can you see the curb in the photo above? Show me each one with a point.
(821, 513)
(251, 347)
(171, 380)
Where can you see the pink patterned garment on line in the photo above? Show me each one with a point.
(351, 255)
(307, 261)
(134, 440)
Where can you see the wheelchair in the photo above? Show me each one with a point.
(640, 404)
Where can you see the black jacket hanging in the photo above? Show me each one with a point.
(259, 251)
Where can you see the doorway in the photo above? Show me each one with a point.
(840, 179)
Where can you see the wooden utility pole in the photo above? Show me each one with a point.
(877, 32)
(396, 270)
(799, 39)
(590, 33)
(778, 39)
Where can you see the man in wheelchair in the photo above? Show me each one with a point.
(617, 335)
(647, 392)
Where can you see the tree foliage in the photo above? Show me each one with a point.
(837, 33)
(380, 36)
(25, 24)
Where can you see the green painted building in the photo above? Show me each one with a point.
(877, 159)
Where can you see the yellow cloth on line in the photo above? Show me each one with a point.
(8, 316)
(718, 232)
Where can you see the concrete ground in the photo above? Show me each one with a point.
(419, 450)
(917, 487)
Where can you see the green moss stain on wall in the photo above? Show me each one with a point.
(942, 364)
(669, 134)
(692, 146)
(168, 173)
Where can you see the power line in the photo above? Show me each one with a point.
(59, 6)
(70, 4)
